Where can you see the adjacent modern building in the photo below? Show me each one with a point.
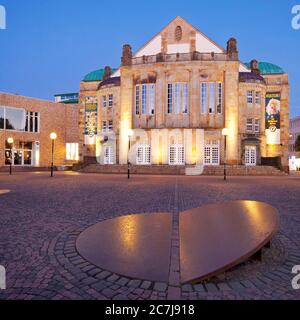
(294, 134)
(67, 98)
(168, 103)
(29, 122)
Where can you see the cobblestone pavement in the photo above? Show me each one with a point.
(41, 218)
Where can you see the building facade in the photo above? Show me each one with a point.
(30, 122)
(168, 103)
(294, 156)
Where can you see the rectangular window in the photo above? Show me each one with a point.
(104, 126)
(212, 153)
(212, 97)
(32, 122)
(170, 98)
(110, 125)
(203, 97)
(257, 126)
(144, 99)
(151, 97)
(14, 119)
(108, 155)
(110, 100)
(137, 99)
(72, 152)
(143, 154)
(249, 126)
(104, 102)
(1, 118)
(250, 97)
(185, 97)
(220, 98)
(257, 98)
(176, 154)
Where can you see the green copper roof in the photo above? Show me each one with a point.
(268, 68)
(96, 75)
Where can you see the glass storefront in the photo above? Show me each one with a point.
(21, 154)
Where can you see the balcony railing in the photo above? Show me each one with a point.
(178, 57)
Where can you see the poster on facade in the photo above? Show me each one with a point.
(273, 117)
(90, 119)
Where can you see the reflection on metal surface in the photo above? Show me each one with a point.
(137, 246)
(215, 238)
(4, 191)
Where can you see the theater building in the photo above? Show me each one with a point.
(169, 101)
(30, 122)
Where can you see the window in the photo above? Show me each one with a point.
(257, 98)
(108, 155)
(14, 119)
(250, 97)
(143, 154)
(176, 154)
(203, 97)
(250, 156)
(178, 97)
(220, 97)
(1, 118)
(257, 126)
(212, 97)
(32, 122)
(72, 151)
(145, 97)
(170, 98)
(249, 126)
(137, 100)
(110, 100)
(212, 153)
(107, 126)
(104, 102)
(21, 154)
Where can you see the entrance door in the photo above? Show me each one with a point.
(212, 153)
(250, 156)
(21, 154)
(108, 155)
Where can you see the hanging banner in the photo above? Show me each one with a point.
(273, 100)
(91, 116)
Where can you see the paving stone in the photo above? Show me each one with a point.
(146, 285)
(134, 283)
(160, 287)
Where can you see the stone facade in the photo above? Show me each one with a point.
(199, 72)
(53, 117)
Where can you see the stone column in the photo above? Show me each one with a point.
(231, 111)
(125, 113)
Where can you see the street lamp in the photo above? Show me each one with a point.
(130, 134)
(225, 134)
(10, 141)
(53, 137)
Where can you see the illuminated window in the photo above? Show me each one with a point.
(145, 97)
(211, 97)
(143, 154)
(250, 156)
(176, 154)
(178, 97)
(72, 151)
(212, 153)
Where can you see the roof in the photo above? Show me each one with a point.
(96, 75)
(114, 81)
(268, 68)
(66, 94)
(250, 77)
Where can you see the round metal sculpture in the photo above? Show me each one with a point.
(213, 239)
(4, 191)
(216, 237)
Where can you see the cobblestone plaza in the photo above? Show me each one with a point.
(41, 219)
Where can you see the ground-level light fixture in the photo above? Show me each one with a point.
(53, 137)
(130, 134)
(10, 141)
(225, 132)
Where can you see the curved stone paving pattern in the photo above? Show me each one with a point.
(41, 220)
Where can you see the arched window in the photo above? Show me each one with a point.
(178, 33)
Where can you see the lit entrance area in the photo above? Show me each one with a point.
(212, 153)
(250, 155)
(21, 154)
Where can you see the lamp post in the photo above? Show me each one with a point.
(130, 134)
(225, 134)
(53, 137)
(10, 141)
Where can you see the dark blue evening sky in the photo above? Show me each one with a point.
(49, 45)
